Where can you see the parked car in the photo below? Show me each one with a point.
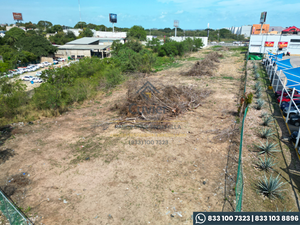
(293, 136)
(47, 63)
(26, 78)
(36, 80)
(39, 73)
(222, 42)
(293, 110)
(61, 59)
(10, 74)
(295, 120)
(290, 91)
(286, 104)
(288, 99)
(55, 62)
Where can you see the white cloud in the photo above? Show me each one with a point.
(163, 15)
(101, 16)
(179, 12)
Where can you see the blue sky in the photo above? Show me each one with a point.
(192, 14)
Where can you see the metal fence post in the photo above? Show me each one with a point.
(278, 80)
(297, 142)
(283, 90)
(288, 114)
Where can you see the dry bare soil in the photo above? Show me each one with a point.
(80, 170)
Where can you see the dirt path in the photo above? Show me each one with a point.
(83, 173)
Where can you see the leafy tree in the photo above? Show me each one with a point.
(138, 32)
(86, 33)
(80, 25)
(62, 38)
(31, 33)
(70, 35)
(38, 45)
(3, 67)
(13, 35)
(101, 28)
(44, 24)
(30, 25)
(91, 26)
(57, 28)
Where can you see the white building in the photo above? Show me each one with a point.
(87, 47)
(100, 34)
(269, 42)
(243, 30)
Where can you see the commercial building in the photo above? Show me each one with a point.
(256, 29)
(243, 30)
(87, 47)
(275, 43)
(100, 34)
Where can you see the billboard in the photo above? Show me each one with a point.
(17, 16)
(269, 44)
(113, 18)
(176, 23)
(263, 17)
(282, 44)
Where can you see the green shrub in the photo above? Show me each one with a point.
(113, 77)
(256, 77)
(270, 187)
(267, 148)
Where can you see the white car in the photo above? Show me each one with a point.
(36, 80)
(47, 64)
(61, 59)
(40, 65)
(29, 69)
(26, 78)
(39, 73)
(55, 62)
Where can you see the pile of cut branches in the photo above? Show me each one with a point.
(154, 109)
(206, 66)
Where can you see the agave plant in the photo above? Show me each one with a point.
(267, 121)
(259, 95)
(254, 66)
(264, 114)
(257, 85)
(265, 133)
(260, 104)
(270, 187)
(256, 77)
(259, 89)
(266, 164)
(267, 148)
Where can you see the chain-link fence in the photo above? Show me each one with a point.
(239, 188)
(11, 212)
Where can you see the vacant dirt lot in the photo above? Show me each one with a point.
(82, 170)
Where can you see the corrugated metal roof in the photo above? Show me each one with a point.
(89, 40)
(83, 47)
(83, 41)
